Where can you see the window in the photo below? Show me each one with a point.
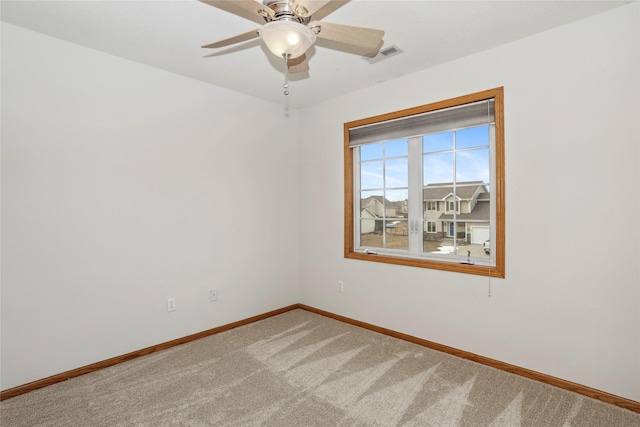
(424, 187)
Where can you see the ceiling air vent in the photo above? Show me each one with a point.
(384, 53)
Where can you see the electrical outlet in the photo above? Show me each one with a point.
(171, 304)
(213, 295)
(340, 286)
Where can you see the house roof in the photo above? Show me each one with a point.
(380, 199)
(364, 202)
(368, 199)
(373, 215)
(399, 206)
(464, 190)
(481, 212)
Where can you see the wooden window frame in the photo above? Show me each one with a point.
(498, 186)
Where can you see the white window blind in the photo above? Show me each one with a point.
(468, 115)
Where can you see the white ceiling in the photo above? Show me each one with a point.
(168, 35)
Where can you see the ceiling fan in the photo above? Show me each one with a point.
(290, 27)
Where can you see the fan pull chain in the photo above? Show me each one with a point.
(285, 86)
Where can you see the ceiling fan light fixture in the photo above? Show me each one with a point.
(287, 38)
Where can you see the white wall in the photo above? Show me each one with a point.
(123, 185)
(570, 303)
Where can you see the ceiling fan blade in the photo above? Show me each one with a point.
(299, 64)
(317, 8)
(253, 34)
(364, 41)
(248, 9)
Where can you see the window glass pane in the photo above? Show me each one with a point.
(432, 210)
(472, 137)
(456, 237)
(395, 148)
(437, 142)
(437, 168)
(371, 175)
(397, 203)
(396, 173)
(371, 233)
(371, 152)
(397, 234)
(474, 238)
(371, 205)
(472, 165)
(436, 240)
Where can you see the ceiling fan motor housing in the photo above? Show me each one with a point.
(285, 10)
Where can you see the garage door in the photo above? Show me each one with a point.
(480, 234)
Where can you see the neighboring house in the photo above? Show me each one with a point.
(465, 214)
(378, 208)
(463, 211)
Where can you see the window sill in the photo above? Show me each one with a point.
(458, 267)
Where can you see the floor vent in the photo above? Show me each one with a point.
(384, 53)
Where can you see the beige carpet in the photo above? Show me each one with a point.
(302, 369)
